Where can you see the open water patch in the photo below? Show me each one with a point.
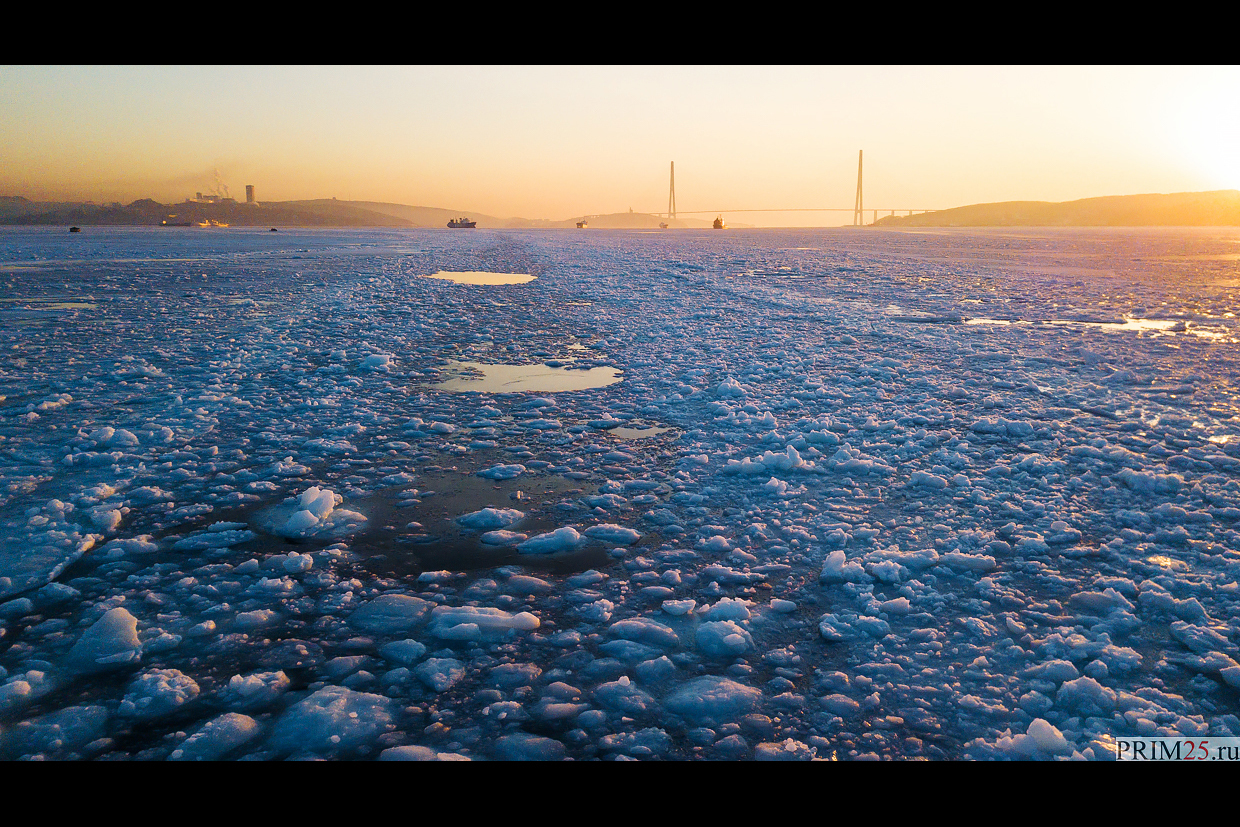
(638, 432)
(477, 377)
(420, 529)
(46, 304)
(483, 278)
(1129, 324)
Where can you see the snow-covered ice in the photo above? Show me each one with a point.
(770, 495)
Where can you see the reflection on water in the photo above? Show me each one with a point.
(479, 277)
(1204, 257)
(90, 260)
(1146, 325)
(477, 377)
(1163, 561)
(1160, 325)
(68, 306)
(51, 304)
(636, 433)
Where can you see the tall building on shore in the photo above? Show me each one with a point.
(249, 195)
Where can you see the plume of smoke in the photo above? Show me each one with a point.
(220, 189)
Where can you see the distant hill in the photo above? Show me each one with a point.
(321, 212)
(14, 205)
(412, 216)
(1179, 209)
(147, 212)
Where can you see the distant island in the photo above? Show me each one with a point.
(1179, 209)
(323, 212)
(1194, 209)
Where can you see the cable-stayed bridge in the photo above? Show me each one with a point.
(858, 210)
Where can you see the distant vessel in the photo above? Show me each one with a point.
(462, 223)
(75, 229)
(719, 224)
(662, 225)
(168, 222)
(211, 222)
(581, 225)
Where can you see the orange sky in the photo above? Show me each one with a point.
(556, 142)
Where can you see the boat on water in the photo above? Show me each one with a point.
(719, 223)
(581, 225)
(462, 223)
(662, 225)
(211, 222)
(75, 229)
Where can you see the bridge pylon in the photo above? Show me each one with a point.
(858, 218)
(671, 194)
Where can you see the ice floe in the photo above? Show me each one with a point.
(773, 497)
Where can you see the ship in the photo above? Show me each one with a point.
(168, 222)
(581, 225)
(662, 225)
(211, 222)
(75, 229)
(719, 223)
(462, 223)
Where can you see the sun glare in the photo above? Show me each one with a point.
(1205, 128)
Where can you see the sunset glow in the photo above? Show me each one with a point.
(554, 142)
(619, 413)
